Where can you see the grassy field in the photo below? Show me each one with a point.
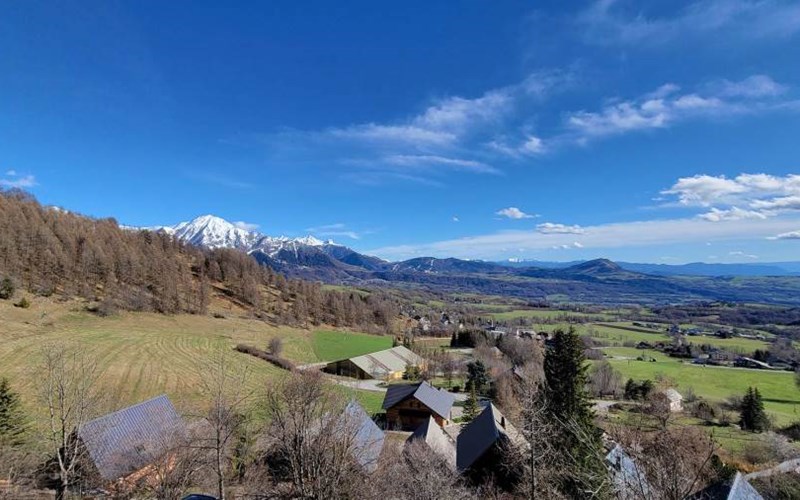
(781, 396)
(544, 314)
(332, 345)
(141, 355)
(619, 334)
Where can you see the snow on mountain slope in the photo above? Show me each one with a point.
(213, 232)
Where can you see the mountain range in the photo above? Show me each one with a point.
(597, 281)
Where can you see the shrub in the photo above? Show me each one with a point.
(275, 360)
(24, 303)
(6, 289)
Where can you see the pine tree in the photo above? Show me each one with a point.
(471, 408)
(569, 407)
(6, 288)
(477, 377)
(12, 418)
(752, 416)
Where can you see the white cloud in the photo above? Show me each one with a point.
(567, 246)
(392, 134)
(514, 213)
(15, 181)
(247, 226)
(604, 236)
(733, 213)
(456, 219)
(334, 231)
(609, 22)
(458, 114)
(752, 86)
(790, 235)
(551, 228)
(434, 160)
(666, 106)
(11, 173)
(738, 253)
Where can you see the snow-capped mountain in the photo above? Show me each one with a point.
(213, 232)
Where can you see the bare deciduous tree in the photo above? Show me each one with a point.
(67, 377)
(226, 384)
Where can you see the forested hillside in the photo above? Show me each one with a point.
(49, 251)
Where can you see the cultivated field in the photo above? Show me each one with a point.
(142, 355)
(334, 345)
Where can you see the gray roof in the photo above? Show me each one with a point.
(438, 400)
(368, 436)
(127, 440)
(736, 489)
(484, 431)
(381, 363)
(436, 439)
(629, 481)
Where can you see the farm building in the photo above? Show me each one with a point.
(388, 364)
(121, 443)
(675, 400)
(410, 405)
(437, 440)
(480, 446)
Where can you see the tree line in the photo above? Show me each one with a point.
(48, 251)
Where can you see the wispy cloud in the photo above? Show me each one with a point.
(667, 106)
(337, 230)
(220, 180)
(616, 22)
(739, 253)
(602, 236)
(790, 235)
(551, 228)
(13, 180)
(247, 226)
(514, 213)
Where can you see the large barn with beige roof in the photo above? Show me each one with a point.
(389, 364)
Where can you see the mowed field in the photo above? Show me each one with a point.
(335, 345)
(141, 355)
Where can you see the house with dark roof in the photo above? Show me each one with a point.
(126, 441)
(736, 488)
(482, 446)
(436, 440)
(410, 405)
(389, 364)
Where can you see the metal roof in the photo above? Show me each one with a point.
(127, 440)
(381, 363)
(737, 489)
(438, 400)
(629, 481)
(368, 436)
(483, 432)
(437, 440)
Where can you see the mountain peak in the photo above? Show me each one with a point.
(211, 231)
(596, 267)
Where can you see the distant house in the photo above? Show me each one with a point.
(737, 488)
(410, 405)
(436, 439)
(388, 364)
(675, 400)
(126, 441)
(629, 481)
(481, 446)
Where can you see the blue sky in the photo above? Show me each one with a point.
(644, 131)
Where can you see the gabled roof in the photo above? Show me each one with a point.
(629, 480)
(382, 363)
(368, 436)
(127, 440)
(483, 432)
(736, 489)
(433, 435)
(438, 400)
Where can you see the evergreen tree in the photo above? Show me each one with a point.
(454, 340)
(477, 377)
(6, 288)
(471, 408)
(569, 407)
(12, 418)
(752, 416)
